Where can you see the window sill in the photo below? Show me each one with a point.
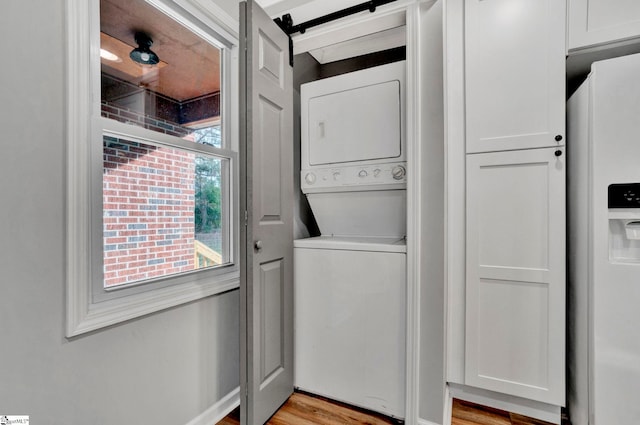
(85, 316)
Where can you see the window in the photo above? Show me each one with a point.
(164, 211)
(151, 217)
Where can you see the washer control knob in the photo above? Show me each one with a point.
(310, 178)
(398, 172)
(362, 174)
(336, 175)
(376, 172)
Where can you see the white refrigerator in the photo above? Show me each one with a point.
(603, 156)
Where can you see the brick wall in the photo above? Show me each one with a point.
(148, 196)
(130, 116)
(122, 96)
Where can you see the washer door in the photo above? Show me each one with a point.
(349, 311)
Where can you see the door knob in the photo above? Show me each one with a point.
(258, 245)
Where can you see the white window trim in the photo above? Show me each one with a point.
(107, 127)
(83, 314)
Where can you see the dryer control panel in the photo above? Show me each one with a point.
(357, 177)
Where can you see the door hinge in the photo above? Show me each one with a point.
(244, 393)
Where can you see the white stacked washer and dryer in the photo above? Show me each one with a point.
(350, 282)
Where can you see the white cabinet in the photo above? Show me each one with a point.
(515, 293)
(505, 98)
(514, 53)
(514, 82)
(598, 22)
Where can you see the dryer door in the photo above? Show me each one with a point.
(354, 117)
(360, 124)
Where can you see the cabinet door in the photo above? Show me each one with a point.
(515, 295)
(514, 74)
(596, 22)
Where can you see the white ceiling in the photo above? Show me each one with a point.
(280, 6)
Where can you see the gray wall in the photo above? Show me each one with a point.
(165, 368)
(305, 69)
(362, 62)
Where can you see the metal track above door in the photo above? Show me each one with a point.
(286, 22)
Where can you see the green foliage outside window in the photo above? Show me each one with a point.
(208, 193)
(208, 213)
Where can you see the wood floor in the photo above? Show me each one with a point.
(303, 409)
(464, 413)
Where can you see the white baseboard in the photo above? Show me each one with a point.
(534, 409)
(219, 410)
(448, 406)
(424, 422)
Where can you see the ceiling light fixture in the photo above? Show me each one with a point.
(143, 54)
(107, 55)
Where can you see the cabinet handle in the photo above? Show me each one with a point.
(558, 152)
(558, 138)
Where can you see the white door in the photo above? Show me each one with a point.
(515, 308)
(266, 149)
(514, 74)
